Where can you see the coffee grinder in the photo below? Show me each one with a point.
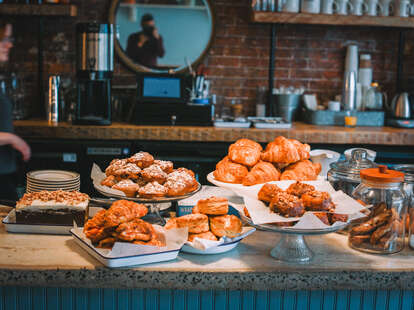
(95, 63)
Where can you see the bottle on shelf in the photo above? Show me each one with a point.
(365, 75)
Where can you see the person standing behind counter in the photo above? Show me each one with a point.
(146, 46)
(8, 140)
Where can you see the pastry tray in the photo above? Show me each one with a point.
(114, 261)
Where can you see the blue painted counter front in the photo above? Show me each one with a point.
(106, 299)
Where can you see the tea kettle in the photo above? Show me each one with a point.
(401, 106)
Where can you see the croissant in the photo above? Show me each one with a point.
(262, 172)
(229, 172)
(303, 170)
(245, 152)
(283, 150)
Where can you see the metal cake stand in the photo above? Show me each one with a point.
(292, 247)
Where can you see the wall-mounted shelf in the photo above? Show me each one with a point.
(326, 19)
(39, 9)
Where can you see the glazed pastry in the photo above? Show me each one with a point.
(225, 225)
(267, 192)
(298, 189)
(127, 171)
(283, 150)
(180, 182)
(245, 152)
(287, 205)
(115, 164)
(206, 235)
(213, 206)
(109, 181)
(303, 170)
(141, 159)
(318, 201)
(166, 166)
(154, 173)
(262, 172)
(184, 170)
(136, 229)
(196, 223)
(122, 211)
(229, 172)
(152, 190)
(94, 228)
(129, 187)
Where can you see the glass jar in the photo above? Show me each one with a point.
(382, 231)
(409, 190)
(344, 175)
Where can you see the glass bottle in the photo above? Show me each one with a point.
(382, 230)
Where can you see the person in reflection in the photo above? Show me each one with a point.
(8, 140)
(146, 46)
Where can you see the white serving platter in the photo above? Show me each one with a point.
(104, 255)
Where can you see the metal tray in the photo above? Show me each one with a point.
(367, 118)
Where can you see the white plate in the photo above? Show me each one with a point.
(121, 261)
(53, 175)
(232, 124)
(52, 187)
(53, 183)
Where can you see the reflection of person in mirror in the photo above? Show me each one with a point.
(146, 46)
(9, 142)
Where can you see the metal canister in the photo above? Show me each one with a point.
(53, 100)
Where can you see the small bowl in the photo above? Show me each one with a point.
(371, 155)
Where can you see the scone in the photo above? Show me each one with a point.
(225, 225)
(141, 159)
(213, 206)
(152, 190)
(129, 187)
(196, 223)
(206, 235)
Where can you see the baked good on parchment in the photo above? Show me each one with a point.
(129, 187)
(303, 170)
(212, 206)
(141, 159)
(299, 188)
(205, 235)
(286, 205)
(318, 201)
(262, 172)
(268, 191)
(196, 223)
(225, 225)
(122, 211)
(152, 190)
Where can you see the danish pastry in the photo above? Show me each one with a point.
(122, 211)
(196, 223)
(245, 152)
(229, 172)
(154, 173)
(129, 187)
(141, 159)
(298, 189)
(286, 205)
(152, 190)
(213, 206)
(225, 225)
(127, 171)
(109, 181)
(94, 229)
(262, 172)
(205, 235)
(318, 201)
(165, 165)
(115, 164)
(136, 229)
(267, 192)
(303, 170)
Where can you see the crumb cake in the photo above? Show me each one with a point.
(57, 207)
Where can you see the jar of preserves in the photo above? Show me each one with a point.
(344, 175)
(383, 229)
(408, 171)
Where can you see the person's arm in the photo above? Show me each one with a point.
(7, 138)
(160, 47)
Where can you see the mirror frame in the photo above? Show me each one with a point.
(137, 68)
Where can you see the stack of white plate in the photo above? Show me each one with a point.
(52, 180)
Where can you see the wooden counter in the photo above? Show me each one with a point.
(302, 132)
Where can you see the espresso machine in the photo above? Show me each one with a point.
(95, 63)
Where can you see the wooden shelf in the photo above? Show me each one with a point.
(325, 19)
(39, 9)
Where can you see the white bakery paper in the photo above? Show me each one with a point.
(97, 176)
(261, 214)
(174, 239)
(204, 244)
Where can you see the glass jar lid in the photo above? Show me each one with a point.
(408, 172)
(382, 174)
(358, 161)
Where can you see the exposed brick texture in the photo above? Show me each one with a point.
(309, 56)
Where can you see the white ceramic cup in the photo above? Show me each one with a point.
(374, 7)
(360, 7)
(310, 6)
(292, 6)
(329, 6)
(334, 106)
(403, 8)
(387, 7)
(344, 7)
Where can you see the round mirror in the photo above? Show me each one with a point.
(162, 35)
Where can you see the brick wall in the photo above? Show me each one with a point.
(309, 56)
